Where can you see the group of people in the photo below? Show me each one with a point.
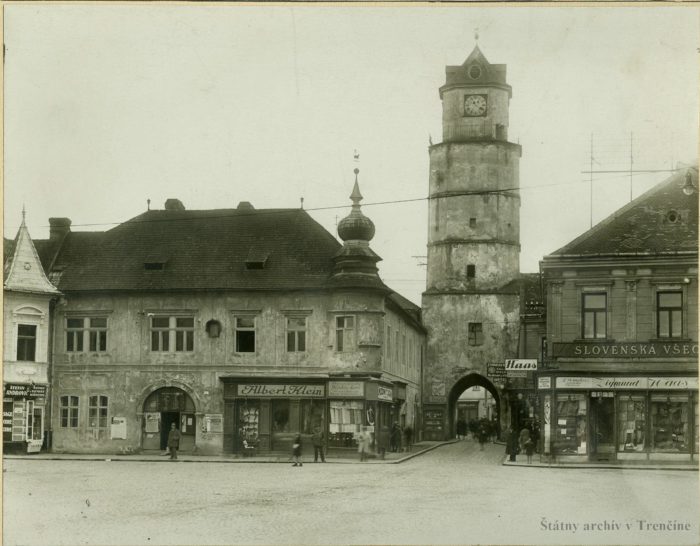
(482, 430)
(524, 441)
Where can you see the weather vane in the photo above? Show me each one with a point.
(476, 34)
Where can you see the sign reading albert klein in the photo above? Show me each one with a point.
(287, 391)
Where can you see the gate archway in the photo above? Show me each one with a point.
(467, 382)
(162, 408)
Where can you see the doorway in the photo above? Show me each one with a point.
(602, 431)
(481, 401)
(167, 418)
(161, 409)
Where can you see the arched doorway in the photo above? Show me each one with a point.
(163, 407)
(490, 411)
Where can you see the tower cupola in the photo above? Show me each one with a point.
(356, 226)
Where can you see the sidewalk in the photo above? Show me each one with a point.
(620, 465)
(349, 457)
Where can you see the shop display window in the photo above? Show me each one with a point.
(570, 433)
(695, 406)
(280, 416)
(669, 423)
(312, 412)
(346, 418)
(631, 424)
(249, 420)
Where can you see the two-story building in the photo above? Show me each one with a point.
(28, 300)
(621, 376)
(234, 324)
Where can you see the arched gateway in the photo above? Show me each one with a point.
(161, 408)
(462, 385)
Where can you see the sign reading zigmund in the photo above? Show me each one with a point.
(627, 382)
(287, 391)
(625, 350)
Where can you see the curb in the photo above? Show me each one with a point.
(597, 466)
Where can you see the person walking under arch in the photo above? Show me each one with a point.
(173, 441)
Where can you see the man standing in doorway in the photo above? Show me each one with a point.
(173, 441)
(317, 438)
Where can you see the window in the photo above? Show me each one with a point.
(472, 222)
(296, 334)
(388, 343)
(172, 334)
(669, 311)
(86, 332)
(97, 412)
(471, 271)
(632, 425)
(344, 333)
(570, 437)
(594, 316)
(476, 333)
(245, 334)
(26, 342)
(669, 423)
(69, 411)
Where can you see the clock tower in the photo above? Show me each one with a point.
(471, 303)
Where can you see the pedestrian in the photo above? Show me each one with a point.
(529, 449)
(318, 439)
(482, 436)
(461, 429)
(395, 438)
(173, 441)
(296, 450)
(382, 441)
(512, 444)
(408, 437)
(362, 441)
(524, 437)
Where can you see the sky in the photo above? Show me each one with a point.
(107, 106)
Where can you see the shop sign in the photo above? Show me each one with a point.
(7, 420)
(118, 428)
(285, 391)
(384, 393)
(631, 383)
(625, 350)
(521, 364)
(15, 390)
(497, 372)
(346, 389)
(544, 382)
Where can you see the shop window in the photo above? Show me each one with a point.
(26, 342)
(280, 416)
(697, 425)
(86, 333)
(245, 334)
(312, 415)
(172, 334)
(595, 316)
(669, 423)
(476, 333)
(249, 421)
(296, 334)
(669, 314)
(570, 435)
(35, 421)
(69, 411)
(344, 333)
(632, 425)
(345, 420)
(97, 413)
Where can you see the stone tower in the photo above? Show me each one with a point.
(471, 302)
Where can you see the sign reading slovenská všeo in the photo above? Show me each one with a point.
(625, 350)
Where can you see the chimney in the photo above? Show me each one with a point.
(245, 205)
(174, 204)
(58, 228)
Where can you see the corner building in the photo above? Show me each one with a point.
(234, 324)
(471, 306)
(620, 382)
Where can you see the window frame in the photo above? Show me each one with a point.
(245, 329)
(341, 332)
(88, 337)
(296, 333)
(69, 411)
(173, 335)
(669, 319)
(23, 345)
(98, 408)
(475, 334)
(596, 313)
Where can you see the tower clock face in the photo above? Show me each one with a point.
(475, 105)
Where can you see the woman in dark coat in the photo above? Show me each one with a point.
(296, 450)
(512, 444)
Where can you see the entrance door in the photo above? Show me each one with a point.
(166, 418)
(603, 428)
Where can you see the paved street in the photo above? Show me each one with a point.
(454, 494)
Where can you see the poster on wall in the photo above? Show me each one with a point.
(118, 428)
(152, 422)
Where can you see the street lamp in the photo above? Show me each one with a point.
(689, 188)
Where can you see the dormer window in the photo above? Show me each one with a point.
(256, 259)
(156, 260)
(154, 266)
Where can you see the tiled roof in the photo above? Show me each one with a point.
(662, 220)
(201, 250)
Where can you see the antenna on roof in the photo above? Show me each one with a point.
(148, 204)
(302, 203)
